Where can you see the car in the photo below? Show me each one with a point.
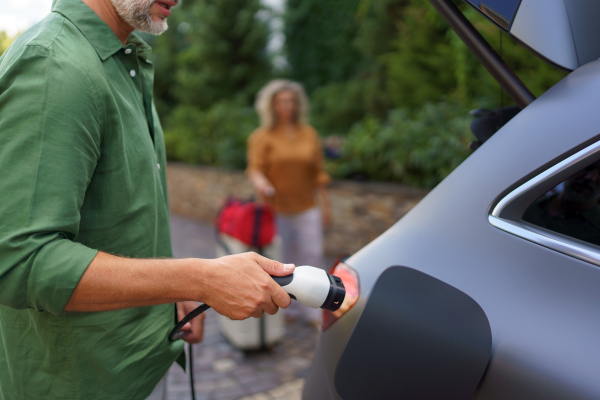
(489, 288)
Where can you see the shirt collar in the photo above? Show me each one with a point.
(96, 31)
(143, 48)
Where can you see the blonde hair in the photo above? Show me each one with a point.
(264, 102)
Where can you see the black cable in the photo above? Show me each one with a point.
(192, 373)
(176, 333)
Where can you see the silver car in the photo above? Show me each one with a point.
(490, 287)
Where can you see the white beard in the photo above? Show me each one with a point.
(137, 14)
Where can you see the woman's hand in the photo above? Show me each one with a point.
(267, 191)
(261, 184)
(195, 328)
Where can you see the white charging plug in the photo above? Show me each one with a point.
(313, 287)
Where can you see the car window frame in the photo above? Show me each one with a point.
(507, 214)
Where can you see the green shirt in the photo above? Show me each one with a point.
(82, 166)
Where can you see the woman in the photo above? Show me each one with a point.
(285, 165)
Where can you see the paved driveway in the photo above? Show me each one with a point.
(222, 372)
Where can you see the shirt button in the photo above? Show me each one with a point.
(132, 73)
(158, 166)
(127, 51)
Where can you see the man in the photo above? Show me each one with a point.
(87, 289)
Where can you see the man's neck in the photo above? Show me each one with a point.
(107, 13)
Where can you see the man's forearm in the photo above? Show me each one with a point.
(112, 282)
(237, 286)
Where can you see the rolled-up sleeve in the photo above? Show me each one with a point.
(49, 146)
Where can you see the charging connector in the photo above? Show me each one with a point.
(313, 287)
(310, 286)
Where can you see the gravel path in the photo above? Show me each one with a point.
(222, 372)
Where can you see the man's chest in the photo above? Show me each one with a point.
(129, 142)
(127, 192)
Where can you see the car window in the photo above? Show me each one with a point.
(500, 11)
(571, 208)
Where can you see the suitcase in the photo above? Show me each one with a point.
(252, 333)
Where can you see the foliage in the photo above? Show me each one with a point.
(209, 66)
(422, 54)
(428, 51)
(409, 56)
(216, 136)
(418, 150)
(337, 106)
(5, 41)
(215, 51)
(318, 36)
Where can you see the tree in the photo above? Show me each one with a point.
(337, 105)
(318, 41)
(429, 62)
(214, 51)
(209, 66)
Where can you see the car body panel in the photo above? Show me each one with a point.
(432, 340)
(543, 306)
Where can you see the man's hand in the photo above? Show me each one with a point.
(195, 328)
(239, 286)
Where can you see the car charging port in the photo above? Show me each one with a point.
(345, 275)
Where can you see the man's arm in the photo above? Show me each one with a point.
(237, 286)
(50, 142)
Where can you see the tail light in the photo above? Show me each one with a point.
(350, 280)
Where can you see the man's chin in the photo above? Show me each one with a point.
(155, 28)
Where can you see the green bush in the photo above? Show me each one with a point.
(216, 136)
(337, 106)
(419, 150)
